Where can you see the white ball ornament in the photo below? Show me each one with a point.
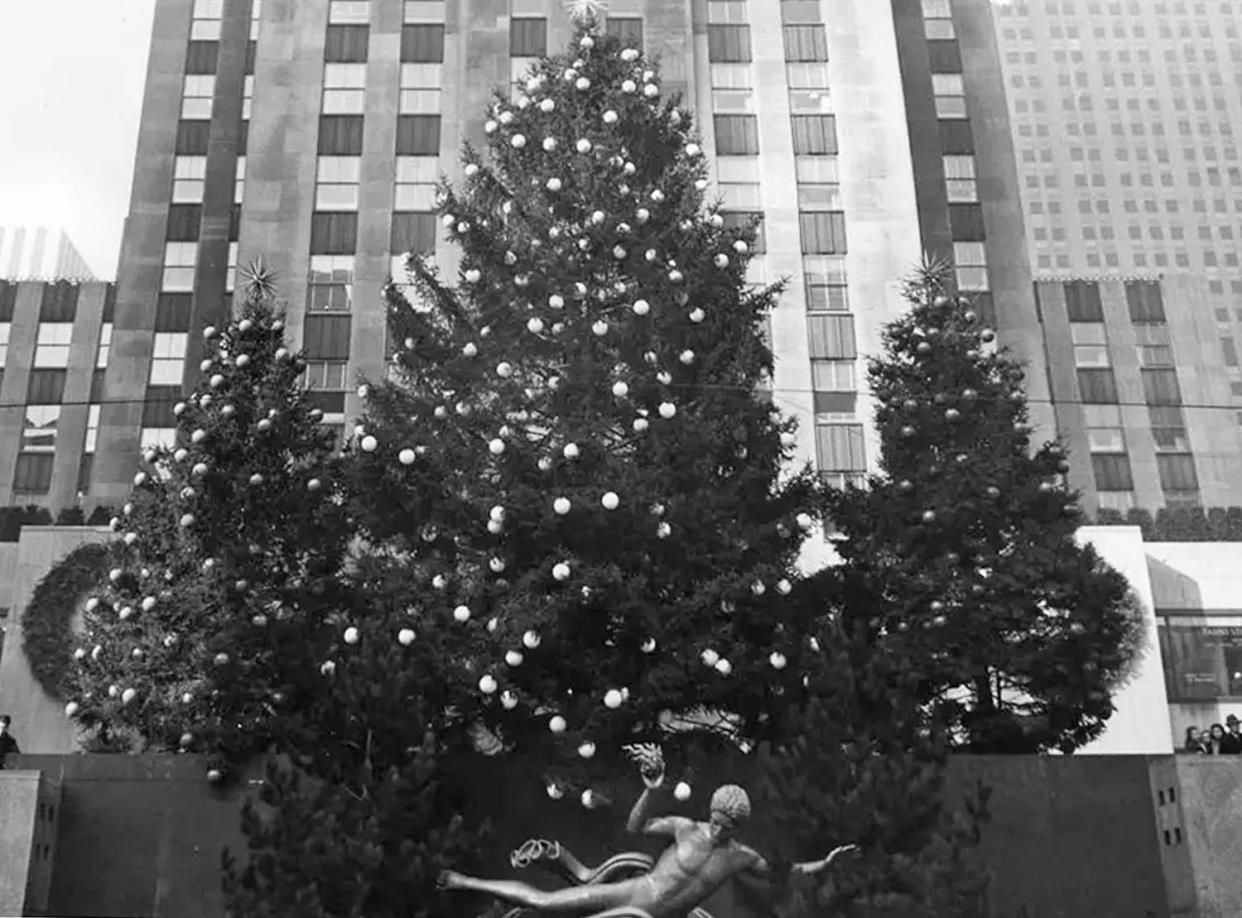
(600, 328)
(783, 587)
(545, 464)
(496, 447)
(518, 141)
(582, 84)
(508, 700)
(687, 357)
(697, 315)
(472, 169)
(571, 451)
(682, 791)
(549, 143)
(462, 614)
(128, 696)
(472, 277)
(557, 724)
(777, 660)
(804, 521)
(642, 215)
(131, 538)
(561, 505)
(351, 635)
(514, 658)
(504, 369)
(489, 127)
(629, 86)
(667, 410)
(648, 646)
(531, 640)
(629, 54)
(560, 571)
(534, 325)
(693, 149)
(620, 389)
(140, 479)
(641, 307)
(148, 603)
(327, 668)
(547, 106)
(369, 444)
(554, 184)
(583, 145)
(641, 424)
(209, 332)
(71, 709)
(506, 117)
(724, 667)
(610, 117)
(187, 520)
(314, 484)
(487, 685)
(613, 699)
(587, 750)
(709, 657)
(722, 261)
(610, 501)
(242, 360)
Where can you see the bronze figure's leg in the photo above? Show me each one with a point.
(576, 899)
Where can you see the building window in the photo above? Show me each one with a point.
(413, 232)
(728, 44)
(1082, 301)
(971, 260)
(736, 219)
(6, 329)
(736, 135)
(334, 233)
(814, 135)
(183, 222)
(196, 96)
(39, 428)
(1229, 351)
(168, 359)
(347, 44)
(344, 89)
(1177, 472)
(326, 375)
(823, 233)
(418, 135)
(839, 451)
(966, 223)
(805, 43)
(52, 345)
(326, 337)
(157, 438)
(833, 376)
(1097, 386)
(950, 96)
(180, 259)
(420, 89)
(205, 20)
(330, 284)
(528, 37)
(826, 290)
(628, 31)
(1168, 428)
(1112, 472)
(960, 180)
(336, 182)
(349, 12)
(192, 138)
(1201, 662)
(831, 337)
(188, 175)
(1145, 301)
(33, 473)
(105, 345)
(1160, 387)
(815, 196)
(92, 427)
(415, 189)
(422, 43)
(938, 20)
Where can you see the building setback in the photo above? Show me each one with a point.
(311, 132)
(1124, 118)
(40, 253)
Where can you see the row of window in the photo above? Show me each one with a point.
(1143, 298)
(738, 135)
(1176, 472)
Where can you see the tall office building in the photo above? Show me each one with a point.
(40, 253)
(1124, 116)
(311, 132)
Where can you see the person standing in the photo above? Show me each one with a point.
(1231, 742)
(7, 743)
(1193, 746)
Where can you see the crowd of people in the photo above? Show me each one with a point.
(1215, 740)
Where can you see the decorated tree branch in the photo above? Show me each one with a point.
(961, 554)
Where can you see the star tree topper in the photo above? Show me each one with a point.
(585, 12)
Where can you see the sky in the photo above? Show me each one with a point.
(71, 80)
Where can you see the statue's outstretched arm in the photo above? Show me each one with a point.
(650, 761)
(761, 866)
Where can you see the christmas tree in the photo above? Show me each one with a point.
(573, 459)
(961, 555)
(227, 564)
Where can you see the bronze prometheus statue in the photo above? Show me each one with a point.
(703, 856)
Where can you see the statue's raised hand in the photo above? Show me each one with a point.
(650, 760)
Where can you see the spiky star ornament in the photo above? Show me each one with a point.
(585, 12)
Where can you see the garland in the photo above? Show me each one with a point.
(46, 638)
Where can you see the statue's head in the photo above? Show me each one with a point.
(730, 807)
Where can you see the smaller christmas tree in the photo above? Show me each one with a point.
(961, 555)
(230, 548)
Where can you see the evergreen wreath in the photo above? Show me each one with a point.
(46, 638)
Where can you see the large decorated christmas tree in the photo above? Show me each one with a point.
(961, 556)
(202, 636)
(574, 460)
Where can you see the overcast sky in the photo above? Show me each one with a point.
(71, 78)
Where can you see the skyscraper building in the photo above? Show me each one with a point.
(1124, 116)
(311, 132)
(40, 253)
